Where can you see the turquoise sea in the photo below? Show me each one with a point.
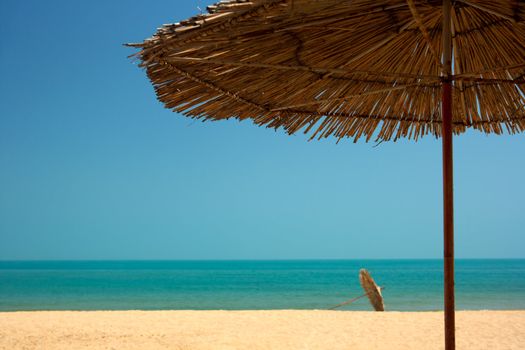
(236, 285)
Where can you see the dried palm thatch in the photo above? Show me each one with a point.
(344, 68)
(372, 290)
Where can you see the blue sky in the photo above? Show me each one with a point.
(93, 167)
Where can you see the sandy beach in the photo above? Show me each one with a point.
(289, 329)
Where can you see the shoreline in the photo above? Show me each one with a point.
(257, 329)
(251, 310)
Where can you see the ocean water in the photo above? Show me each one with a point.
(413, 285)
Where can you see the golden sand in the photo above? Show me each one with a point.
(251, 330)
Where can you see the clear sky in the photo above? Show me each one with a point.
(93, 167)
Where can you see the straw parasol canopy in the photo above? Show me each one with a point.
(372, 69)
(354, 69)
(372, 290)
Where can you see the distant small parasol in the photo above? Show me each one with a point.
(372, 290)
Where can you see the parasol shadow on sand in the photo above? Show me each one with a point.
(372, 69)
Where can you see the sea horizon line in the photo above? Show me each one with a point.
(254, 260)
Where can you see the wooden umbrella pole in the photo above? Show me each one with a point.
(448, 218)
(448, 195)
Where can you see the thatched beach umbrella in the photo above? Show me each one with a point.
(372, 290)
(381, 69)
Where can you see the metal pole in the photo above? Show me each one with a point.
(448, 195)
